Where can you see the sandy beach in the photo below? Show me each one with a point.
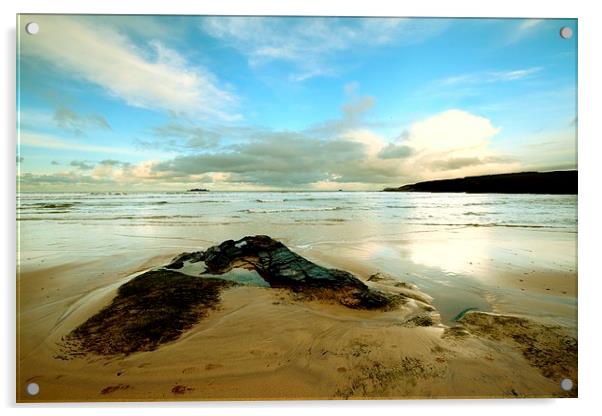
(265, 343)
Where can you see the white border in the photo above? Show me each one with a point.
(590, 23)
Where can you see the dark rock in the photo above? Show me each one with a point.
(149, 310)
(282, 268)
(376, 277)
(178, 261)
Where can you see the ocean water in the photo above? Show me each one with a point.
(211, 208)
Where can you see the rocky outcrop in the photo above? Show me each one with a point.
(157, 306)
(282, 268)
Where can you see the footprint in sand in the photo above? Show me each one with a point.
(213, 366)
(190, 370)
(111, 389)
(180, 389)
(342, 370)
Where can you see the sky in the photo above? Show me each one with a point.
(154, 103)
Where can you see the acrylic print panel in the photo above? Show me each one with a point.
(202, 213)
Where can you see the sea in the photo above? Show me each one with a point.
(210, 208)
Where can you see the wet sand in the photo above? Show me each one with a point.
(263, 343)
(504, 270)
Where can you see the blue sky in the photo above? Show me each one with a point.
(234, 103)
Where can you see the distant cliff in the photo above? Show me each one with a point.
(557, 182)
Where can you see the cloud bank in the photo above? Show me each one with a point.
(452, 143)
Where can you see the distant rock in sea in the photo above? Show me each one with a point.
(198, 190)
(562, 182)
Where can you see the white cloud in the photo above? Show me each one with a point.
(309, 43)
(529, 24)
(372, 142)
(487, 77)
(46, 141)
(353, 117)
(449, 130)
(125, 173)
(454, 143)
(161, 80)
(514, 75)
(523, 29)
